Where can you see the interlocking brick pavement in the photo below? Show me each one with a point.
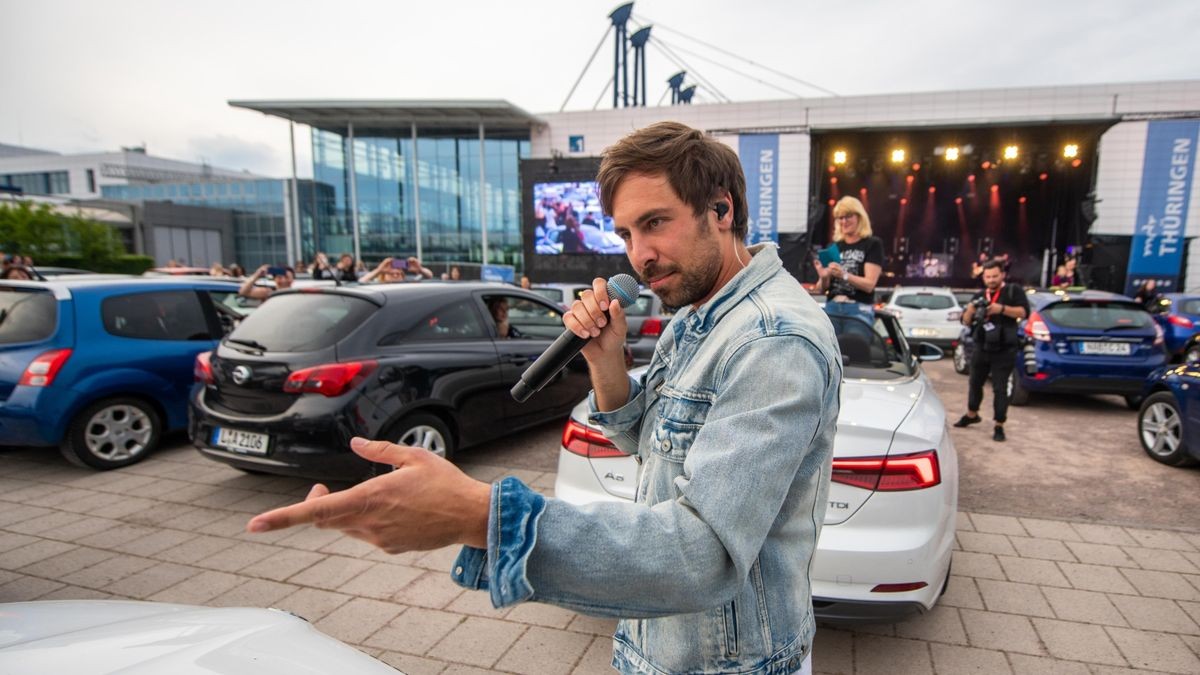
(1028, 595)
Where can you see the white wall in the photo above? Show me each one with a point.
(101, 164)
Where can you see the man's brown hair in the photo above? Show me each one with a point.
(699, 168)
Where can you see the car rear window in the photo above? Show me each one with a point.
(1190, 306)
(1097, 315)
(303, 322)
(26, 315)
(924, 301)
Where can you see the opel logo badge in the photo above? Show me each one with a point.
(241, 375)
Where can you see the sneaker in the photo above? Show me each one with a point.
(998, 434)
(966, 421)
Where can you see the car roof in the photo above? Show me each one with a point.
(939, 290)
(64, 287)
(1043, 298)
(380, 293)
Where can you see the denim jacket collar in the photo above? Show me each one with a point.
(764, 262)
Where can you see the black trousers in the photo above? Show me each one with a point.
(999, 365)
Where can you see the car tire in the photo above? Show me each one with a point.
(112, 433)
(423, 430)
(1017, 394)
(1160, 430)
(961, 366)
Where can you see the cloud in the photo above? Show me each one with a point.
(231, 152)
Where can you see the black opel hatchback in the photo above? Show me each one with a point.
(419, 364)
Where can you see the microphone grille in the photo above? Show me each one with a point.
(622, 289)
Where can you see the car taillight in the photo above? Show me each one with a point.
(652, 327)
(954, 316)
(42, 370)
(202, 369)
(331, 379)
(1036, 328)
(1159, 335)
(1182, 322)
(587, 442)
(889, 474)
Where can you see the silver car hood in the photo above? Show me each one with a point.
(136, 638)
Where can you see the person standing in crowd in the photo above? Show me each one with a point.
(455, 274)
(416, 271)
(525, 282)
(282, 276)
(708, 569)
(1066, 275)
(16, 273)
(862, 256)
(217, 271)
(236, 271)
(1148, 294)
(993, 315)
(977, 266)
(343, 271)
(385, 273)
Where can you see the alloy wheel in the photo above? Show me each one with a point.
(118, 432)
(1162, 430)
(423, 436)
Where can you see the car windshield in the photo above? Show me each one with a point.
(924, 301)
(1097, 315)
(302, 322)
(871, 349)
(26, 315)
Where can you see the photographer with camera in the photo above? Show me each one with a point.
(992, 316)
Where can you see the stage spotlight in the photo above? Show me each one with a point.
(1043, 176)
(932, 189)
(833, 181)
(951, 154)
(903, 201)
(985, 166)
(958, 200)
(971, 178)
(995, 188)
(839, 156)
(1076, 162)
(1070, 150)
(916, 166)
(1022, 199)
(898, 156)
(908, 179)
(832, 168)
(1010, 152)
(832, 202)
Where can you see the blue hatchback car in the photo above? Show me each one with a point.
(1179, 316)
(103, 367)
(1169, 419)
(1082, 342)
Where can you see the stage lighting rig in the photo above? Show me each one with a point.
(1071, 150)
(1011, 152)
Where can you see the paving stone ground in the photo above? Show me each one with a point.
(1028, 595)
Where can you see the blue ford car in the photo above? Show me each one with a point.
(1081, 342)
(1179, 316)
(102, 367)
(1169, 419)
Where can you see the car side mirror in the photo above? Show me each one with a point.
(928, 352)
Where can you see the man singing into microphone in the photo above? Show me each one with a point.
(732, 424)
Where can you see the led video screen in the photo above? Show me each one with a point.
(568, 220)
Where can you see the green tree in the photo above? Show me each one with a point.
(31, 230)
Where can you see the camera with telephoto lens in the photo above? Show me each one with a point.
(980, 304)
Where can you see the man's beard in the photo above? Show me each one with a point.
(696, 281)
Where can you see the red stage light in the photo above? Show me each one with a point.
(995, 188)
(1076, 162)
(903, 201)
(932, 189)
(832, 202)
(833, 181)
(916, 166)
(832, 168)
(986, 165)
(958, 200)
(908, 178)
(1022, 200)
(1043, 176)
(971, 178)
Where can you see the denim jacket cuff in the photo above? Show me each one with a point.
(624, 418)
(512, 534)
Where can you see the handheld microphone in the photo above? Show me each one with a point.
(622, 289)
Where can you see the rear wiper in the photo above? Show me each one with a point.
(253, 344)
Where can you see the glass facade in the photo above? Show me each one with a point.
(446, 173)
(43, 183)
(258, 206)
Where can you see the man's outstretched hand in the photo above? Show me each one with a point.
(426, 503)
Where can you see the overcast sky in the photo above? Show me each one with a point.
(93, 76)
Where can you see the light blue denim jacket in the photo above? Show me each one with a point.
(733, 427)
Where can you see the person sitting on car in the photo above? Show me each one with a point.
(498, 308)
(283, 277)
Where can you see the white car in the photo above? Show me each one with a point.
(927, 314)
(884, 552)
(111, 636)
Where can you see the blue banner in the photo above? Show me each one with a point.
(759, 154)
(1158, 238)
(505, 273)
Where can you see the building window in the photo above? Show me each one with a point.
(52, 183)
(91, 181)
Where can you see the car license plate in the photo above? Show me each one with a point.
(236, 440)
(1106, 348)
(924, 332)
